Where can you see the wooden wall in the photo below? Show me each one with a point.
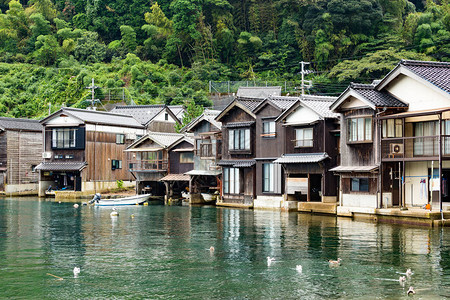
(24, 150)
(175, 167)
(237, 115)
(101, 149)
(158, 126)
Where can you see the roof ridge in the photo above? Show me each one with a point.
(140, 106)
(95, 111)
(19, 119)
(407, 62)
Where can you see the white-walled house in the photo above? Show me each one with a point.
(395, 139)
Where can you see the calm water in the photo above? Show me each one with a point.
(163, 252)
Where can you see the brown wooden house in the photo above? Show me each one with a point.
(84, 151)
(310, 149)
(20, 153)
(149, 161)
(238, 153)
(205, 178)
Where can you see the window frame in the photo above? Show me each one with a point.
(231, 181)
(269, 129)
(240, 141)
(268, 178)
(183, 160)
(301, 143)
(358, 182)
(120, 138)
(116, 164)
(354, 130)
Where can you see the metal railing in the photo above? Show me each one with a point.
(414, 147)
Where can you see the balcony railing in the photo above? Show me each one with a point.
(148, 165)
(414, 147)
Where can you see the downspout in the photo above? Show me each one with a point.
(380, 169)
(323, 165)
(440, 166)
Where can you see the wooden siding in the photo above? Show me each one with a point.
(159, 126)
(237, 115)
(269, 147)
(24, 150)
(175, 167)
(101, 149)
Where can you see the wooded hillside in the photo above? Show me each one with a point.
(167, 51)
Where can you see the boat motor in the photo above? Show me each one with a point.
(96, 198)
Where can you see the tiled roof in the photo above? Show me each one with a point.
(204, 172)
(354, 169)
(61, 166)
(379, 99)
(239, 124)
(208, 115)
(20, 124)
(250, 103)
(259, 92)
(164, 138)
(142, 113)
(178, 110)
(100, 117)
(320, 104)
(301, 158)
(242, 163)
(176, 177)
(438, 73)
(283, 102)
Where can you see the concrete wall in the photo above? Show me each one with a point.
(269, 202)
(29, 188)
(358, 200)
(103, 185)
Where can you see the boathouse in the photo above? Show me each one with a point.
(205, 178)
(20, 153)
(310, 149)
(84, 151)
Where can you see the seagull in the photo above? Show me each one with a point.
(76, 271)
(114, 213)
(76, 205)
(211, 249)
(299, 268)
(270, 260)
(402, 279)
(410, 291)
(408, 272)
(335, 263)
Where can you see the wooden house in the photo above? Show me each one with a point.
(181, 161)
(238, 153)
(309, 149)
(155, 118)
(205, 178)
(20, 153)
(393, 140)
(269, 146)
(84, 151)
(150, 163)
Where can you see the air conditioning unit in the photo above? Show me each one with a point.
(46, 155)
(396, 148)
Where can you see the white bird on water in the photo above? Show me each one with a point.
(299, 268)
(114, 213)
(408, 273)
(76, 271)
(76, 205)
(410, 291)
(270, 260)
(334, 263)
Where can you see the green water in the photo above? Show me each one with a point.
(163, 252)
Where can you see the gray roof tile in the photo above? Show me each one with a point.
(378, 98)
(20, 124)
(438, 73)
(142, 113)
(100, 117)
(164, 138)
(241, 163)
(250, 103)
(61, 166)
(301, 158)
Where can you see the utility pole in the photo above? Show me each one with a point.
(92, 88)
(303, 72)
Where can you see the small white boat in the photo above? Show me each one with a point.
(132, 200)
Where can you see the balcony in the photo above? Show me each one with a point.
(156, 165)
(414, 148)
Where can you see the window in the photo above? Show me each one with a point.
(239, 139)
(392, 128)
(63, 138)
(204, 147)
(69, 156)
(429, 144)
(304, 137)
(166, 116)
(186, 157)
(359, 130)
(360, 185)
(446, 133)
(231, 183)
(33, 168)
(120, 138)
(268, 129)
(116, 164)
(59, 156)
(268, 178)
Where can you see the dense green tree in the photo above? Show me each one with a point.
(89, 49)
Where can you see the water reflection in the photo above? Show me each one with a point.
(162, 252)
